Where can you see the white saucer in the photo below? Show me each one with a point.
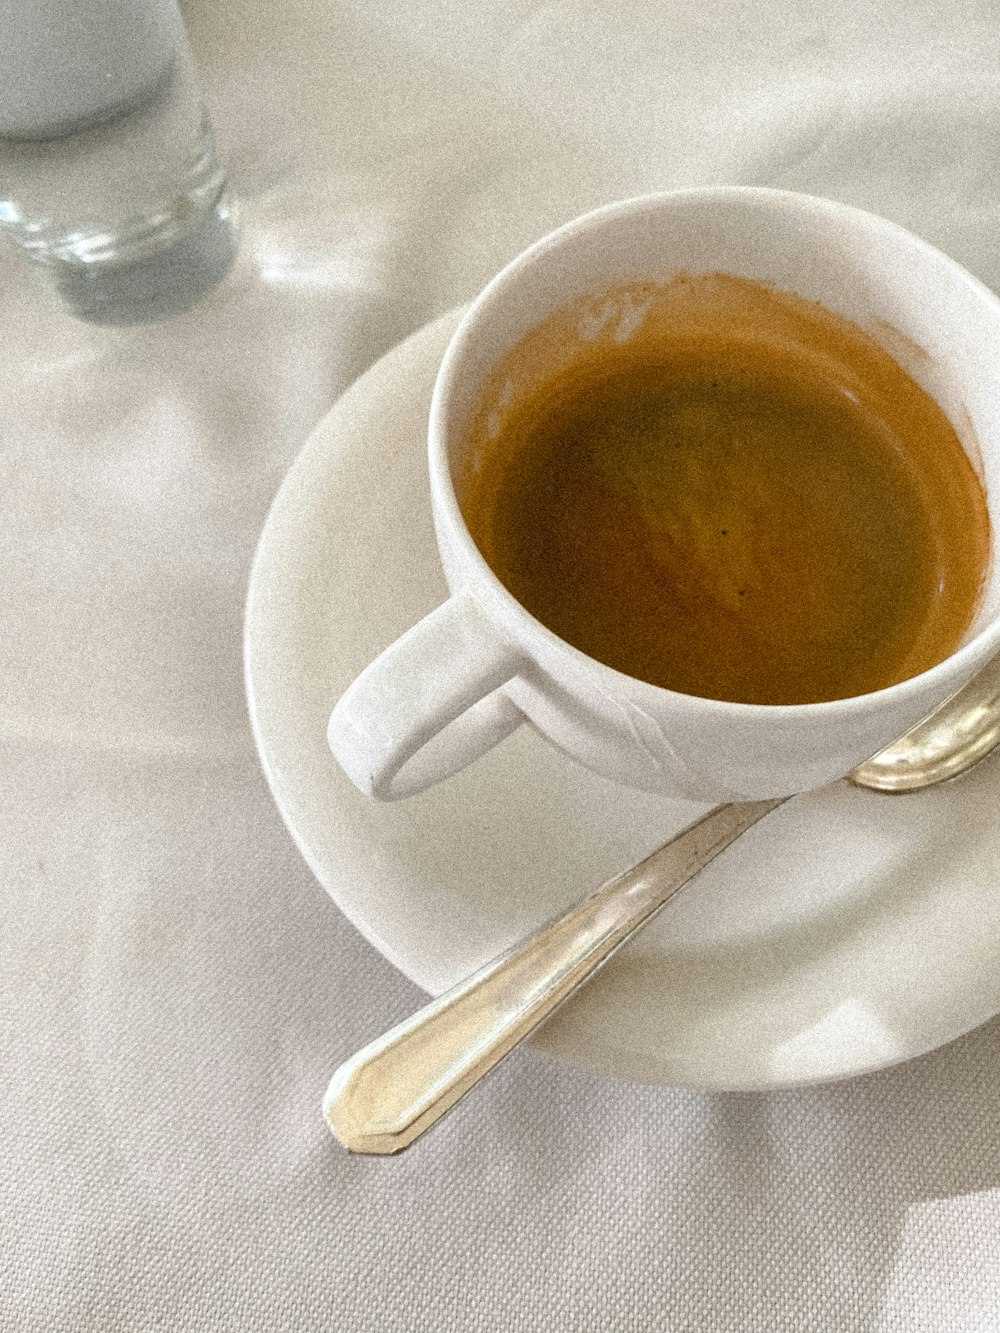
(846, 932)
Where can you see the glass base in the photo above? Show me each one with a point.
(155, 284)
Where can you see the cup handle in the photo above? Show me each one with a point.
(439, 687)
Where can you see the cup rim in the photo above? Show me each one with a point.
(445, 500)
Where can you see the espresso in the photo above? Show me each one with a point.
(727, 491)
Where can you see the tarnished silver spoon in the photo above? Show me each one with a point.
(382, 1099)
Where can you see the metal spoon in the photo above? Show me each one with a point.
(385, 1097)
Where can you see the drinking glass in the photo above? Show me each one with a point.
(109, 176)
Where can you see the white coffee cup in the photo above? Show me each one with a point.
(474, 669)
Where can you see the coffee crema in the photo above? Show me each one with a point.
(728, 491)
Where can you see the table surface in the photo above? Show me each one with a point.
(175, 988)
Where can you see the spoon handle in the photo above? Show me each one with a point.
(392, 1091)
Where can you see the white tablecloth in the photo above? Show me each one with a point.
(175, 988)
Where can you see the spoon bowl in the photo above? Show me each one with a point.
(950, 741)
